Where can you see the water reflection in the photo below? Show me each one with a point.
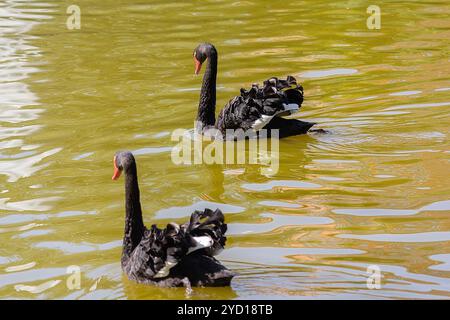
(327, 73)
(275, 221)
(177, 212)
(412, 237)
(445, 262)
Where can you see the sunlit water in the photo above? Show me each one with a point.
(375, 191)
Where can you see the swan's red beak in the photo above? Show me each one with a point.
(198, 65)
(117, 172)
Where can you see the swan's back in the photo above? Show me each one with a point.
(256, 107)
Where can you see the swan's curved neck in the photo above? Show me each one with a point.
(207, 106)
(134, 225)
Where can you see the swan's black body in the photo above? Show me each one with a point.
(254, 109)
(173, 256)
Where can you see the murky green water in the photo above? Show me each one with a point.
(373, 192)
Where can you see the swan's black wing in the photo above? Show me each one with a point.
(256, 107)
(160, 250)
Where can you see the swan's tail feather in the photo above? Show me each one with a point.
(276, 96)
(209, 226)
(256, 107)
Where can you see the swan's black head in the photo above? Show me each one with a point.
(123, 161)
(203, 51)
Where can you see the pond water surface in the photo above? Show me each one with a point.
(374, 191)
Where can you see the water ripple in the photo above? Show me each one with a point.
(275, 221)
(280, 184)
(71, 248)
(178, 212)
(21, 218)
(436, 206)
(276, 256)
(22, 168)
(403, 237)
(327, 73)
(444, 258)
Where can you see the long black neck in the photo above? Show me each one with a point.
(134, 226)
(207, 106)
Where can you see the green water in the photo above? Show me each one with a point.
(375, 191)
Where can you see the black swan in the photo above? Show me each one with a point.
(179, 255)
(254, 109)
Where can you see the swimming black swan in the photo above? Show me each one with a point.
(254, 109)
(174, 256)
